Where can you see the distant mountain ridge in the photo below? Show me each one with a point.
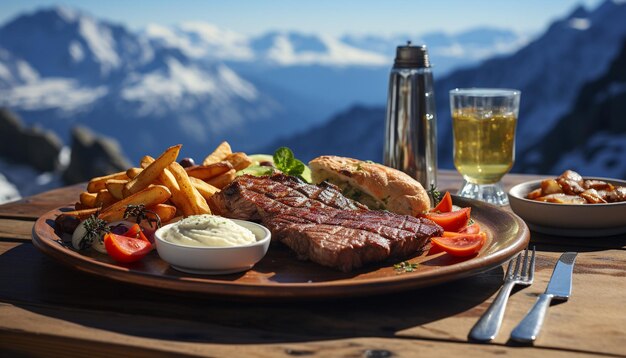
(571, 109)
(195, 83)
(61, 67)
(292, 48)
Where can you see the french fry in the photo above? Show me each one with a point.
(205, 172)
(97, 184)
(166, 212)
(81, 214)
(205, 189)
(104, 199)
(150, 196)
(193, 203)
(133, 172)
(223, 180)
(166, 178)
(238, 160)
(88, 199)
(116, 188)
(145, 161)
(219, 154)
(152, 171)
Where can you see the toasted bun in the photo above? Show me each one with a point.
(390, 189)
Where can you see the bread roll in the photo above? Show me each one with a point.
(375, 185)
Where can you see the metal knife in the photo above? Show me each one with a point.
(559, 287)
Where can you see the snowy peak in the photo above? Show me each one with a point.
(292, 48)
(201, 40)
(65, 42)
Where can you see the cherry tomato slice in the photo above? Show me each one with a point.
(126, 249)
(471, 229)
(452, 221)
(136, 232)
(445, 205)
(461, 245)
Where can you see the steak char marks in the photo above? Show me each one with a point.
(320, 224)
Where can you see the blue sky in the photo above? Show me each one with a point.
(334, 17)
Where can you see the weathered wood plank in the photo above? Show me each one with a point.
(16, 229)
(34, 206)
(445, 312)
(72, 333)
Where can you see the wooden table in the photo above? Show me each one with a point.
(47, 309)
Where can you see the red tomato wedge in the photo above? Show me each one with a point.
(136, 232)
(126, 249)
(445, 204)
(460, 245)
(452, 221)
(471, 229)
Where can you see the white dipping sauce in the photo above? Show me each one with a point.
(208, 231)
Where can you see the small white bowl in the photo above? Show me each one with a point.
(586, 220)
(215, 260)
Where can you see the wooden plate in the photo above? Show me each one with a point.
(279, 275)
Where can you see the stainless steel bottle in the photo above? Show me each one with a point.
(411, 123)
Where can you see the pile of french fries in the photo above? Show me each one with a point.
(162, 185)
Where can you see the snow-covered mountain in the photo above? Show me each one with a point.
(194, 83)
(290, 48)
(332, 72)
(60, 67)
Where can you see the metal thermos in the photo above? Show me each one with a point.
(411, 123)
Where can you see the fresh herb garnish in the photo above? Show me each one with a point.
(94, 227)
(285, 161)
(404, 266)
(435, 195)
(140, 213)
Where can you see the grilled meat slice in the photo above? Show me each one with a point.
(237, 200)
(350, 239)
(320, 224)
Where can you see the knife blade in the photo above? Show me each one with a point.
(559, 287)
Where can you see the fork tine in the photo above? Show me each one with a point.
(525, 265)
(532, 265)
(518, 260)
(508, 269)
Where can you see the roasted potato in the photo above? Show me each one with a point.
(238, 160)
(219, 154)
(116, 188)
(206, 172)
(223, 180)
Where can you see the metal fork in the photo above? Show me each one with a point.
(489, 324)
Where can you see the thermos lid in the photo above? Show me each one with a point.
(410, 56)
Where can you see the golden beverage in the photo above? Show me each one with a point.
(483, 144)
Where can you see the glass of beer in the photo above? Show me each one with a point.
(483, 124)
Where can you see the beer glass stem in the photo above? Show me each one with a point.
(490, 193)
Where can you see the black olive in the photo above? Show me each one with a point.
(187, 162)
(66, 223)
(266, 164)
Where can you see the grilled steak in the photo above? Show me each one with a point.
(239, 199)
(320, 224)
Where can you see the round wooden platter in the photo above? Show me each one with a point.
(280, 275)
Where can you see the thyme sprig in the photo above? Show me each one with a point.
(140, 213)
(435, 194)
(405, 266)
